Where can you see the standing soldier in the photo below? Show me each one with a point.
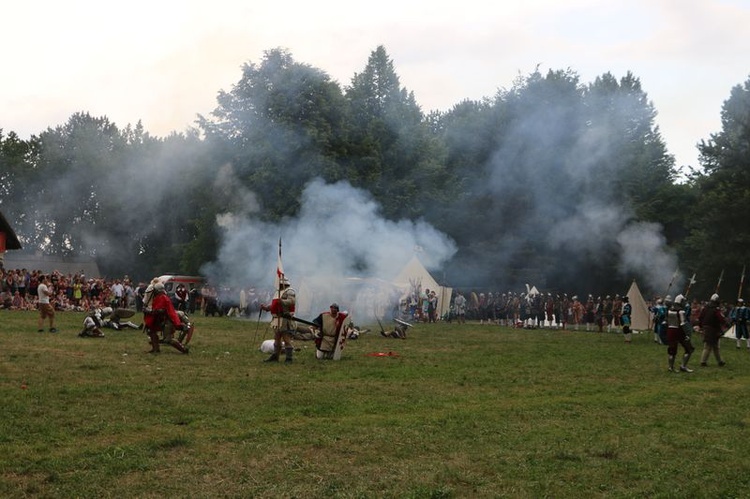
(617, 305)
(599, 314)
(549, 309)
(608, 312)
(459, 306)
(678, 332)
(560, 307)
(577, 309)
(659, 312)
(711, 322)
(590, 313)
(625, 314)
(282, 310)
(739, 316)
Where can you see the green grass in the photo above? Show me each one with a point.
(462, 411)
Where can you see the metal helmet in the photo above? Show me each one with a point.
(679, 299)
(715, 298)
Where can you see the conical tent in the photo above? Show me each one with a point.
(641, 317)
(414, 272)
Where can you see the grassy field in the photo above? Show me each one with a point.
(457, 411)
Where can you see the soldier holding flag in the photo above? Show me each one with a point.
(282, 310)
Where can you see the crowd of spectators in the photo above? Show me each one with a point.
(72, 292)
(77, 292)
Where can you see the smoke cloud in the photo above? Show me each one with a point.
(550, 182)
(338, 238)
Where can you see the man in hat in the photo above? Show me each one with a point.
(282, 310)
(739, 316)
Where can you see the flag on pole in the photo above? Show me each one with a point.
(279, 270)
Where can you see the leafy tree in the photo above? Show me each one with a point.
(718, 237)
(392, 150)
(630, 153)
(280, 125)
(14, 188)
(66, 164)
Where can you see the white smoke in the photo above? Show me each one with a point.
(338, 234)
(643, 251)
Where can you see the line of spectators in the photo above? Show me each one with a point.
(72, 292)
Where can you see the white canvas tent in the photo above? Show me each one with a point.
(641, 317)
(414, 272)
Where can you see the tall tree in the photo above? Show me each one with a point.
(393, 151)
(718, 236)
(280, 125)
(67, 164)
(14, 185)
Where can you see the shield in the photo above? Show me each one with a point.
(403, 323)
(124, 313)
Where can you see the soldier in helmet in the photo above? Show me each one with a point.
(282, 310)
(659, 313)
(712, 322)
(160, 315)
(626, 312)
(608, 312)
(92, 324)
(678, 332)
(739, 316)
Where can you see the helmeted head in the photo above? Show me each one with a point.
(679, 300)
(740, 301)
(714, 298)
(334, 308)
(668, 300)
(284, 282)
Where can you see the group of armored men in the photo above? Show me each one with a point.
(535, 309)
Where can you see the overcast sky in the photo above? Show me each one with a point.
(163, 62)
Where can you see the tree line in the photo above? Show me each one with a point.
(550, 180)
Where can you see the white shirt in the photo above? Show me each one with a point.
(44, 293)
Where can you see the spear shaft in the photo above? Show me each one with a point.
(742, 282)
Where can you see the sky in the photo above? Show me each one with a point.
(163, 62)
